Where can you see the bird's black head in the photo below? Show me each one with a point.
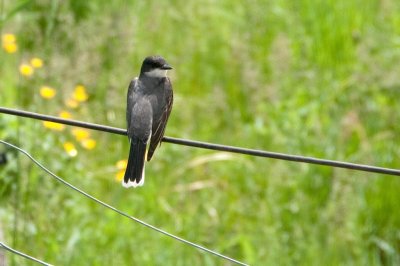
(155, 66)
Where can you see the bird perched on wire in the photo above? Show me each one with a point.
(149, 105)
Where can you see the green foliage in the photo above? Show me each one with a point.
(316, 78)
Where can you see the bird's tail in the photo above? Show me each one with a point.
(134, 173)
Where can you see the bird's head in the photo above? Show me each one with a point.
(155, 66)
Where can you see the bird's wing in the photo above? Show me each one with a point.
(130, 103)
(160, 125)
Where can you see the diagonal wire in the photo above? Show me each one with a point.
(2, 245)
(210, 146)
(121, 212)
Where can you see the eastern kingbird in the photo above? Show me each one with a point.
(149, 104)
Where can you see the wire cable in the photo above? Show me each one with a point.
(2, 245)
(210, 146)
(118, 211)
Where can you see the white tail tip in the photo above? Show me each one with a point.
(133, 184)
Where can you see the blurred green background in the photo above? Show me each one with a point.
(315, 78)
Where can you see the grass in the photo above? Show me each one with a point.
(315, 78)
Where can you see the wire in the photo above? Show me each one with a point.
(23, 254)
(118, 211)
(210, 146)
(62, 120)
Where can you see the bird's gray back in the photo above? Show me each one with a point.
(139, 112)
(147, 101)
(156, 91)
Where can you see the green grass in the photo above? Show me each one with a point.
(314, 78)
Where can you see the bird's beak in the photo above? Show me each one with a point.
(166, 67)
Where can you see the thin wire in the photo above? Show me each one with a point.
(118, 211)
(210, 146)
(2, 245)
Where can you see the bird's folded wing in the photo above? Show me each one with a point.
(159, 126)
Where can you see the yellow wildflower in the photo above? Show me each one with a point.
(53, 126)
(26, 70)
(57, 126)
(71, 103)
(120, 175)
(8, 38)
(10, 47)
(88, 144)
(70, 149)
(121, 164)
(80, 133)
(65, 114)
(8, 43)
(36, 62)
(80, 94)
(47, 92)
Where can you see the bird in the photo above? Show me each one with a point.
(149, 104)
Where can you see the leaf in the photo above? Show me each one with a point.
(19, 7)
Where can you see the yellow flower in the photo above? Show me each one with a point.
(8, 43)
(53, 126)
(120, 175)
(8, 38)
(121, 164)
(47, 92)
(71, 103)
(70, 149)
(80, 94)
(26, 70)
(88, 144)
(57, 126)
(65, 114)
(10, 47)
(36, 62)
(80, 133)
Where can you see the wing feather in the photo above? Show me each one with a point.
(129, 105)
(158, 132)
